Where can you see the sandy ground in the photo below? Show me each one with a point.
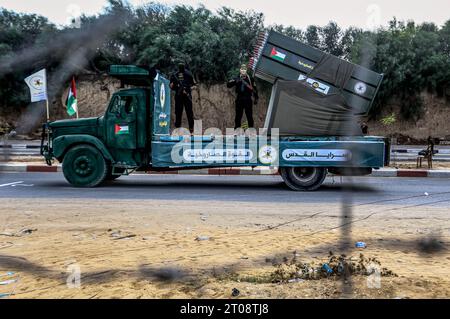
(125, 249)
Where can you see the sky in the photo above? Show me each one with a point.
(367, 14)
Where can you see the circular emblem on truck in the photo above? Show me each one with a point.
(162, 95)
(360, 88)
(267, 154)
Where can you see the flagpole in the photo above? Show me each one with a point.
(48, 120)
(46, 96)
(48, 113)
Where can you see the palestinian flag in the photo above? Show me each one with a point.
(121, 129)
(71, 102)
(277, 55)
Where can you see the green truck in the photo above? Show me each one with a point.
(134, 135)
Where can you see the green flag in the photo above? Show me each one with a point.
(71, 104)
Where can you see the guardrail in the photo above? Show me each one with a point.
(20, 149)
(410, 154)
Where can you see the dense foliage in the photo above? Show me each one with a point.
(413, 57)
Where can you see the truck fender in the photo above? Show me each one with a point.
(62, 144)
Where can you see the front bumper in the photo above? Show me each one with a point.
(46, 144)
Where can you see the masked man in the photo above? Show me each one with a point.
(181, 83)
(245, 90)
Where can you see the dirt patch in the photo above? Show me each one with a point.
(336, 266)
(433, 122)
(148, 249)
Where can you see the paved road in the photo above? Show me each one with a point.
(228, 188)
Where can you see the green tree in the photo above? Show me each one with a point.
(290, 31)
(412, 57)
(331, 39)
(312, 36)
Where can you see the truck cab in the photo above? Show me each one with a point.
(93, 150)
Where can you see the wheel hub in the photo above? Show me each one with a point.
(304, 174)
(83, 166)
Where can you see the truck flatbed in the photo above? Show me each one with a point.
(289, 151)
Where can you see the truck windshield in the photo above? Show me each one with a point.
(123, 105)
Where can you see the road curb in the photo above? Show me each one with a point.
(43, 168)
(245, 171)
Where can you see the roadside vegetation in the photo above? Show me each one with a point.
(414, 58)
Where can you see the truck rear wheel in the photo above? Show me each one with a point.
(84, 166)
(303, 178)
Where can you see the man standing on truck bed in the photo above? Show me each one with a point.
(245, 89)
(181, 82)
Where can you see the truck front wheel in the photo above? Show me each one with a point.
(303, 178)
(84, 166)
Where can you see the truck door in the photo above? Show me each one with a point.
(121, 122)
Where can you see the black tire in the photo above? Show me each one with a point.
(303, 178)
(84, 166)
(111, 177)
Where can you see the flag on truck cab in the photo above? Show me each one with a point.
(121, 129)
(72, 103)
(37, 83)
